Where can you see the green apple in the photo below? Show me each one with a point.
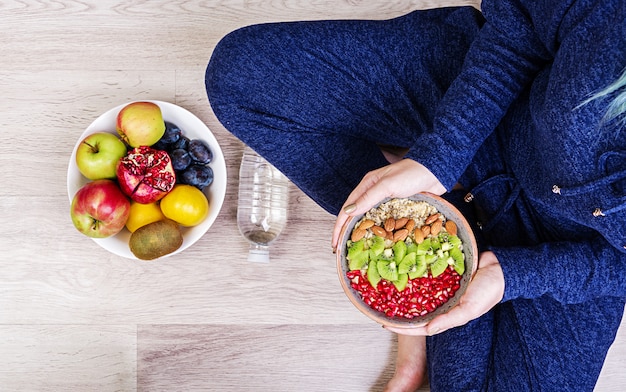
(140, 124)
(98, 154)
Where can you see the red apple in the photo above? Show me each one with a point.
(97, 155)
(99, 209)
(140, 124)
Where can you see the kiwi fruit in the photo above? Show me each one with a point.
(387, 269)
(407, 264)
(376, 245)
(420, 267)
(411, 248)
(438, 267)
(399, 251)
(155, 239)
(425, 247)
(459, 260)
(357, 255)
(372, 274)
(401, 282)
(455, 241)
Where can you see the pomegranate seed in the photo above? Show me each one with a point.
(420, 297)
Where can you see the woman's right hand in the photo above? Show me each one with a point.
(484, 292)
(400, 179)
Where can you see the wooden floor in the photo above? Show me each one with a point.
(76, 318)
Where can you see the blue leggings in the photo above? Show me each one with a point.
(319, 99)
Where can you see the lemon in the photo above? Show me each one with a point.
(186, 205)
(142, 214)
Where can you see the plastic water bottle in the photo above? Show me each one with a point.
(262, 204)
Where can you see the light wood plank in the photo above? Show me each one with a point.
(264, 358)
(613, 378)
(68, 358)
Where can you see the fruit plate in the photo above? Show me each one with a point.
(469, 249)
(193, 128)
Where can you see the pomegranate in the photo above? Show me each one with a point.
(420, 297)
(146, 174)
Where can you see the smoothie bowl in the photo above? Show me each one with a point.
(407, 260)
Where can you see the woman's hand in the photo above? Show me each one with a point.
(400, 179)
(484, 292)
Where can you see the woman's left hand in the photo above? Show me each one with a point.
(484, 292)
(400, 179)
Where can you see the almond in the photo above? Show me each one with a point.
(431, 219)
(390, 224)
(358, 234)
(410, 225)
(418, 236)
(435, 228)
(379, 231)
(400, 235)
(400, 223)
(389, 236)
(451, 227)
(366, 224)
(426, 230)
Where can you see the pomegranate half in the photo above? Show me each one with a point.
(146, 174)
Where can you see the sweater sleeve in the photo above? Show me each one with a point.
(591, 54)
(557, 269)
(503, 60)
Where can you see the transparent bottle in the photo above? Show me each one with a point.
(262, 204)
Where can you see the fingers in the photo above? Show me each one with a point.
(342, 218)
(400, 179)
(415, 331)
(457, 316)
(362, 198)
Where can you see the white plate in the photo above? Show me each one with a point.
(193, 128)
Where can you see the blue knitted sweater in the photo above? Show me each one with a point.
(525, 77)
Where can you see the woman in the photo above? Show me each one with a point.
(510, 107)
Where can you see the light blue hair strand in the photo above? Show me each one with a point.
(616, 110)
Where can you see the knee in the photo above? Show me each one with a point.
(235, 60)
(221, 71)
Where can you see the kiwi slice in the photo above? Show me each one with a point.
(401, 282)
(387, 269)
(372, 274)
(435, 244)
(430, 258)
(420, 267)
(438, 267)
(376, 245)
(425, 247)
(407, 264)
(454, 240)
(459, 260)
(446, 246)
(357, 255)
(411, 248)
(399, 251)
(155, 240)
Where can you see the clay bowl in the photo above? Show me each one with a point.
(469, 249)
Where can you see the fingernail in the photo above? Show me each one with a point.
(334, 250)
(349, 209)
